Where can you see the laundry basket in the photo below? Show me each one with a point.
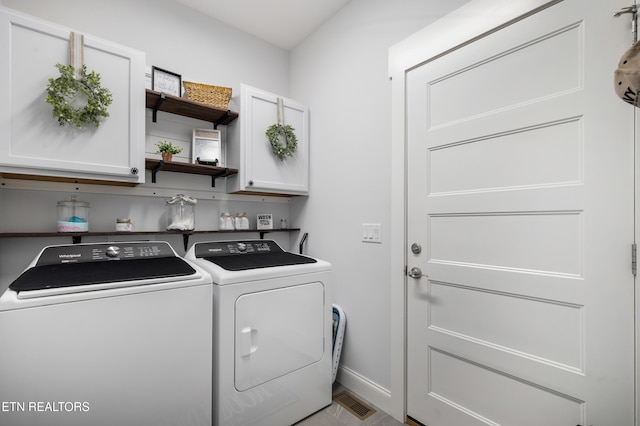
(339, 324)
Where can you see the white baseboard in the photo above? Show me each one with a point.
(365, 388)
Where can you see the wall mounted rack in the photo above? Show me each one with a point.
(197, 169)
(160, 101)
(76, 237)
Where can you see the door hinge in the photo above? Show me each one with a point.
(634, 259)
(633, 11)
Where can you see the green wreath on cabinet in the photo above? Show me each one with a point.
(276, 133)
(65, 91)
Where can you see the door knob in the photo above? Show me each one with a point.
(415, 272)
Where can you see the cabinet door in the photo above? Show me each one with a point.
(259, 169)
(31, 141)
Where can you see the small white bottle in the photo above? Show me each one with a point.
(242, 221)
(226, 222)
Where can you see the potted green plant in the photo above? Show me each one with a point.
(167, 149)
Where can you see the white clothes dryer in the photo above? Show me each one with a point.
(272, 332)
(107, 334)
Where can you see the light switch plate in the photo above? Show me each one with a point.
(371, 233)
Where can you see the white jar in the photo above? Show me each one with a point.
(242, 221)
(73, 215)
(124, 225)
(226, 222)
(181, 213)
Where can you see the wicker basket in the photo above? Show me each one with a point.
(216, 96)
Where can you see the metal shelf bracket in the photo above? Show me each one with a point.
(155, 171)
(224, 175)
(157, 107)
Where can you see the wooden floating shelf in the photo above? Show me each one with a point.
(76, 237)
(158, 101)
(196, 169)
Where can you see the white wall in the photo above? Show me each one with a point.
(173, 37)
(341, 72)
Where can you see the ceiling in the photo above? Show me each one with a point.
(283, 23)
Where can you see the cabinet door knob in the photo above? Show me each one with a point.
(250, 183)
(134, 170)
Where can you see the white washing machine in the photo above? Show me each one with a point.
(272, 325)
(107, 334)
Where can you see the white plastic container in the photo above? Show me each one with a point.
(124, 225)
(242, 221)
(226, 222)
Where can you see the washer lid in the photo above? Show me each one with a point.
(87, 264)
(245, 255)
(80, 274)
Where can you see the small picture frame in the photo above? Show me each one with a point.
(265, 221)
(166, 81)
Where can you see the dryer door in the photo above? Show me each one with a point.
(278, 331)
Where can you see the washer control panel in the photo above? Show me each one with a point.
(78, 253)
(227, 248)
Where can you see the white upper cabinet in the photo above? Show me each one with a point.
(249, 150)
(31, 140)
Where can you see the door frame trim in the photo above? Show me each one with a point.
(449, 33)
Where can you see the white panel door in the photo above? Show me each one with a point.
(520, 193)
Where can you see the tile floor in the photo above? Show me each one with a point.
(336, 415)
